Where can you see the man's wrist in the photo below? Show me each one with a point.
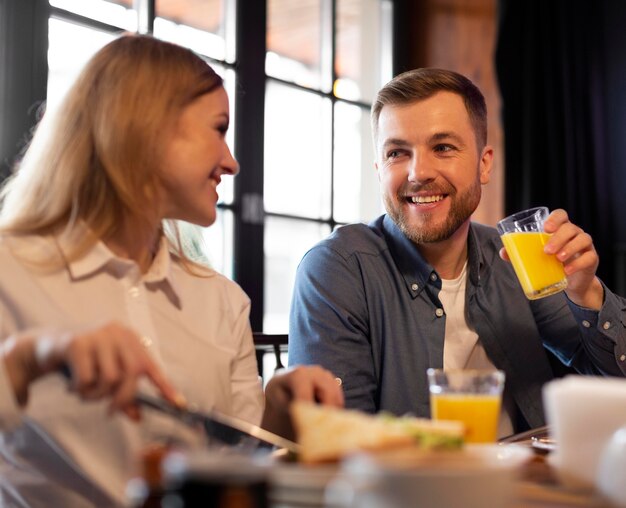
(592, 299)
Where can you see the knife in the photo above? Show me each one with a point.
(224, 428)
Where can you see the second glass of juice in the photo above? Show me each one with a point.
(472, 396)
(522, 234)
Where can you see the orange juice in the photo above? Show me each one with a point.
(480, 414)
(540, 274)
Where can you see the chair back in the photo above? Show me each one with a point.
(275, 343)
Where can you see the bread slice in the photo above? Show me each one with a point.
(328, 434)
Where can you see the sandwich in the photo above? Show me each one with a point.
(327, 434)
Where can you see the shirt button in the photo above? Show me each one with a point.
(622, 358)
(134, 291)
(439, 312)
(433, 277)
(414, 287)
(146, 341)
(586, 323)
(606, 325)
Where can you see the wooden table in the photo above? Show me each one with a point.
(539, 487)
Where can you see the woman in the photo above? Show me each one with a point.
(90, 280)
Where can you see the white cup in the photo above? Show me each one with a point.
(611, 475)
(583, 413)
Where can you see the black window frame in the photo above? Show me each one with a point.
(23, 85)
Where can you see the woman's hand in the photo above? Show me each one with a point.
(105, 362)
(304, 383)
(575, 249)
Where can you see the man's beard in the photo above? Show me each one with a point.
(462, 208)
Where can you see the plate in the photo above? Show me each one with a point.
(426, 478)
(525, 438)
(475, 477)
(539, 439)
(543, 444)
(473, 459)
(292, 483)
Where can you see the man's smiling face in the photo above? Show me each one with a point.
(429, 166)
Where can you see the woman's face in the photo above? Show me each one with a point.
(195, 158)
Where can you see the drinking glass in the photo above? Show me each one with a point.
(472, 396)
(522, 234)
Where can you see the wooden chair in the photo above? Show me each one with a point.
(265, 343)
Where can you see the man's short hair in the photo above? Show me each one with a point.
(419, 84)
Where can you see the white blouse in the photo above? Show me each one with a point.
(61, 451)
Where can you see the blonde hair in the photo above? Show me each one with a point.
(94, 158)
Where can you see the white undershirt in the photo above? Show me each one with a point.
(462, 348)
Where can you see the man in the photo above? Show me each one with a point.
(423, 287)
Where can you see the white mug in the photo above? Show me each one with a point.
(611, 474)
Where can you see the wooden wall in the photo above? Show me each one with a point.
(460, 35)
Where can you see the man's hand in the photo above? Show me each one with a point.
(305, 383)
(574, 248)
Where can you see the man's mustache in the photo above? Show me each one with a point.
(429, 187)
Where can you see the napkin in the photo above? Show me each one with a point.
(583, 413)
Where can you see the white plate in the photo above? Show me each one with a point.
(405, 477)
(473, 457)
(477, 476)
(300, 484)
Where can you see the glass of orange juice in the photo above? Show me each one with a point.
(472, 396)
(522, 234)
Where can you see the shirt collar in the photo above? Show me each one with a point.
(476, 258)
(100, 258)
(417, 273)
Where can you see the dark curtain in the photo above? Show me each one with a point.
(550, 67)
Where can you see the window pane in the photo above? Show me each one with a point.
(297, 152)
(286, 241)
(206, 26)
(363, 60)
(114, 12)
(70, 46)
(356, 196)
(295, 46)
(218, 243)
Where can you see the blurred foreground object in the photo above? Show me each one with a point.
(215, 480)
(574, 406)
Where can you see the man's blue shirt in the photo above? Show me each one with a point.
(366, 307)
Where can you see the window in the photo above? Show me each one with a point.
(79, 28)
(303, 143)
(325, 61)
